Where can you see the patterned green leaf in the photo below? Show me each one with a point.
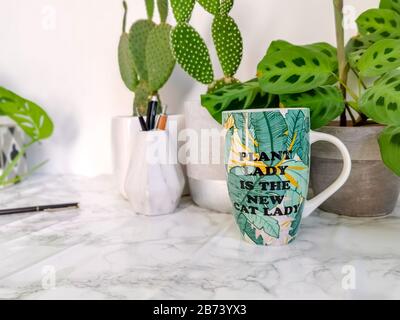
(138, 36)
(389, 143)
(162, 6)
(296, 218)
(380, 58)
(325, 103)
(159, 57)
(246, 229)
(182, 9)
(226, 6)
(191, 53)
(126, 65)
(331, 54)
(298, 135)
(390, 4)
(212, 6)
(31, 118)
(228, 43)
(237, 96)
(270, 131)
(379, 24)
(382, 101)
(149, 8)
(298, 174)
(355, 49)
(293, 70)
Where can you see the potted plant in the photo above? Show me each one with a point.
(315, 76)
(19, 118)
(146, 64)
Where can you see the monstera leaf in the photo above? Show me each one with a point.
(380, 58)
(325, 103)
(382, 101)
(298, 135)
(236, 96)
(31, 118)
(390, 4)
(389, 143)
(377, 24)
(294, 69)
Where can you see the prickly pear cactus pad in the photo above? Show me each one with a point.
(126, 66)
(212, 6)
(159, 58)
(149, 8)
(162, 6)
(226, 6)
(228, 43)
(142, 95)
(182, 9)
(191, 53)
(138, 36)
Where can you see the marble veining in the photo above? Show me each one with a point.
(106, 251)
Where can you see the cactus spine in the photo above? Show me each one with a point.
(191, 51)
(145, 56)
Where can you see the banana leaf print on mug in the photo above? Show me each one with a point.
(267, 158)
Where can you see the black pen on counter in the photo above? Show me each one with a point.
(54, 207)
(143, 123)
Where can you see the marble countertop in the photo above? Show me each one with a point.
(105, 251)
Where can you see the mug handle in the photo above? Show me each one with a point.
(315, 202)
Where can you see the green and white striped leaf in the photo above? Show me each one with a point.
(182, 9)
(326, 103)
(138, 36)
(377, 24)
(382, 101)
(212, 6)
(228, 43)
(159, 58)
(380, 58)
(31, 118)
(389, 143)
(390, 4)
(192, 53)
(293, 70)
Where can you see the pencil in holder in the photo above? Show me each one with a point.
(155, 179)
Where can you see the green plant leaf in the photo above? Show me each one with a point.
(377, 24)
(355, 49)
(382, 101)
(138, 36)
(389, 143)
(31, 118)
(247, 229)
(182, 9)
(212, 6)
(191, 53)
(380, 58)
(390, 4)
(228, 43)
(237, 96)
(159, 58)
(162, 6)
(149, 8)
(126, 65)
(331, 54)
(226, 6)
(293, 70)
(298, 135)
(326, 103)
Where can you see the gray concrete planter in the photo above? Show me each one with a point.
(372, 189)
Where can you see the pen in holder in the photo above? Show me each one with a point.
(155, 180)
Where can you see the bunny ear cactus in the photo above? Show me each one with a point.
(145, 57)
(191, 51)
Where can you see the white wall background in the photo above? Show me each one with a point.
(62, 55)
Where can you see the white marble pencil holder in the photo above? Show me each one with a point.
(155, 179)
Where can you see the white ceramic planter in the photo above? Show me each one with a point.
(124, 133)
(12, 138)
(155, 179)
(207, 181)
